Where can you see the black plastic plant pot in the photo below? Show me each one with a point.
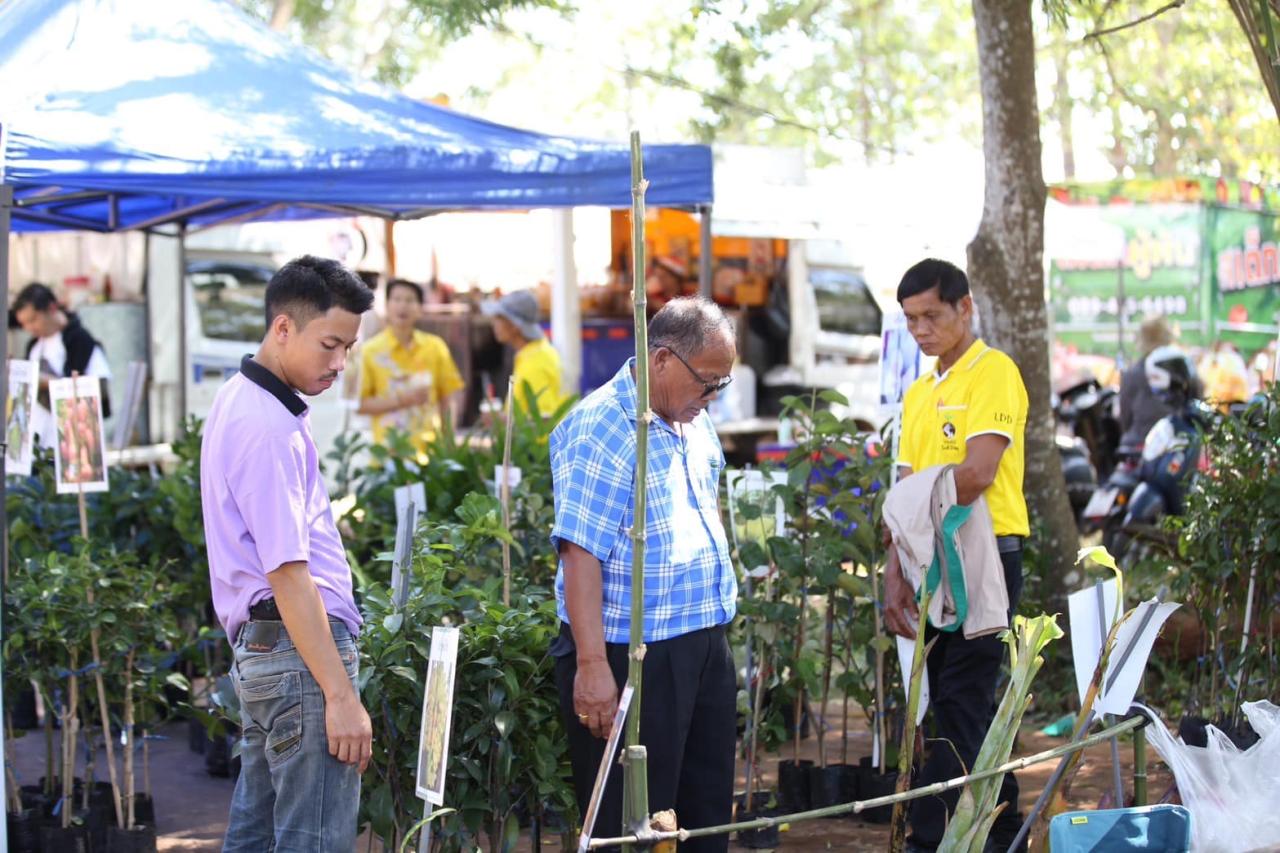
(24, 831)
(218, 757)
(765, 838)
(144, 810)
(793, 785)
(140, 839)
(850, 783)
(873, 786)
(826, 786)
(23, 714)
(34, 798)
(73, 839)
(197, 737)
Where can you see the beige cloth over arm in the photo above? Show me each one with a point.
(914, 510)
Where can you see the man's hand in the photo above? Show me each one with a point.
(346, 723)
(595, 696)
(901, 615)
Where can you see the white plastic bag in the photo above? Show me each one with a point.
(1233, 795)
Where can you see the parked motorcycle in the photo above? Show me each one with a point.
(1170, 458)
(1087, 410)
(1090, 410)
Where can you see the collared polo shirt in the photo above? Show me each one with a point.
(982, 394)
(537, 364)
(388, 367)
(689, 581)
(263, 499)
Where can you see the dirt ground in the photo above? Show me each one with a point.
(191, 806)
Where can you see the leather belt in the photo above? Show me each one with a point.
(1004, 544)
(265, 611)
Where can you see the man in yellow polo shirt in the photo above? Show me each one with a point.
(971, 411)
(408, 379)
(536, 368)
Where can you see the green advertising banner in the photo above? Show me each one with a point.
(1112, 265)
(1245, 274)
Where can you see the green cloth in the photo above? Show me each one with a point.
(946, 559)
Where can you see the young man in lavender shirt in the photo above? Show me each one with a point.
(281, 583)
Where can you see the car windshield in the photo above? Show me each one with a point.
(230, 300)
(845, 305)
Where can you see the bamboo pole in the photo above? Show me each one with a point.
(828, 652)
(859, 806)
(1139, 767)
(505, 492)
(94, 633)
(878, 720)
(635, 776)
(128, 749)
(906, 752)
(69, 720)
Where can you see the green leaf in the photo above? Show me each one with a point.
(505, 721)
(391, 624)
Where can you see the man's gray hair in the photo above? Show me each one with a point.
(688, 325)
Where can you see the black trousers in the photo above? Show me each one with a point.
(962, 702)
(688, 723)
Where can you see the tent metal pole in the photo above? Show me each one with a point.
(184, 369)
(6, 203)
(705, 261)
(566, 308)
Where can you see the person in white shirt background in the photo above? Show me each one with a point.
(60, 346)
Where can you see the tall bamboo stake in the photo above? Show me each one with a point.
(93, 633)
(128, 728)
(69, 720)
(906, 752)
(635, 778)
(827, 656)
(505, 492)
(878, 716)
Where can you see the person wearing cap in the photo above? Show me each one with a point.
(1140, 408)
(665, 282)
(536, 368)
(408, 378)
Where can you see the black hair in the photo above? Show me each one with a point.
(952, 283)
(36, 295)
(411, 285)
(686, 326)
(308, 286)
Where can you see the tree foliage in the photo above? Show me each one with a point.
(385, 39)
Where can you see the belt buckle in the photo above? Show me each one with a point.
(260, 636)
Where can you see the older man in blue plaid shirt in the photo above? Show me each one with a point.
(688, 719)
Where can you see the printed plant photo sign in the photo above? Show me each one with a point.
(20, 432)
(80, 460)
(437, 715)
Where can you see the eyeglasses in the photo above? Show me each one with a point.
(708, 387)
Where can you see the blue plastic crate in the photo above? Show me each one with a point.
(1163, 828)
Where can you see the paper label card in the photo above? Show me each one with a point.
(80, 459)
(437, 715)
(24, 379)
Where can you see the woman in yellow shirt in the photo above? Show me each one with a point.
(537, 364)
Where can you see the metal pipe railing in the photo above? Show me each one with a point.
(1127, 725)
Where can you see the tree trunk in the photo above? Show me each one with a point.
(1256, 28)
(1006, 258)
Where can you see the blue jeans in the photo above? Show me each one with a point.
(292, 795)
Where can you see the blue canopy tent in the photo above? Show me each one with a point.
(163, 114)
(122, 114)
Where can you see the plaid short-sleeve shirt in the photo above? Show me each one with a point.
(689, 580)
